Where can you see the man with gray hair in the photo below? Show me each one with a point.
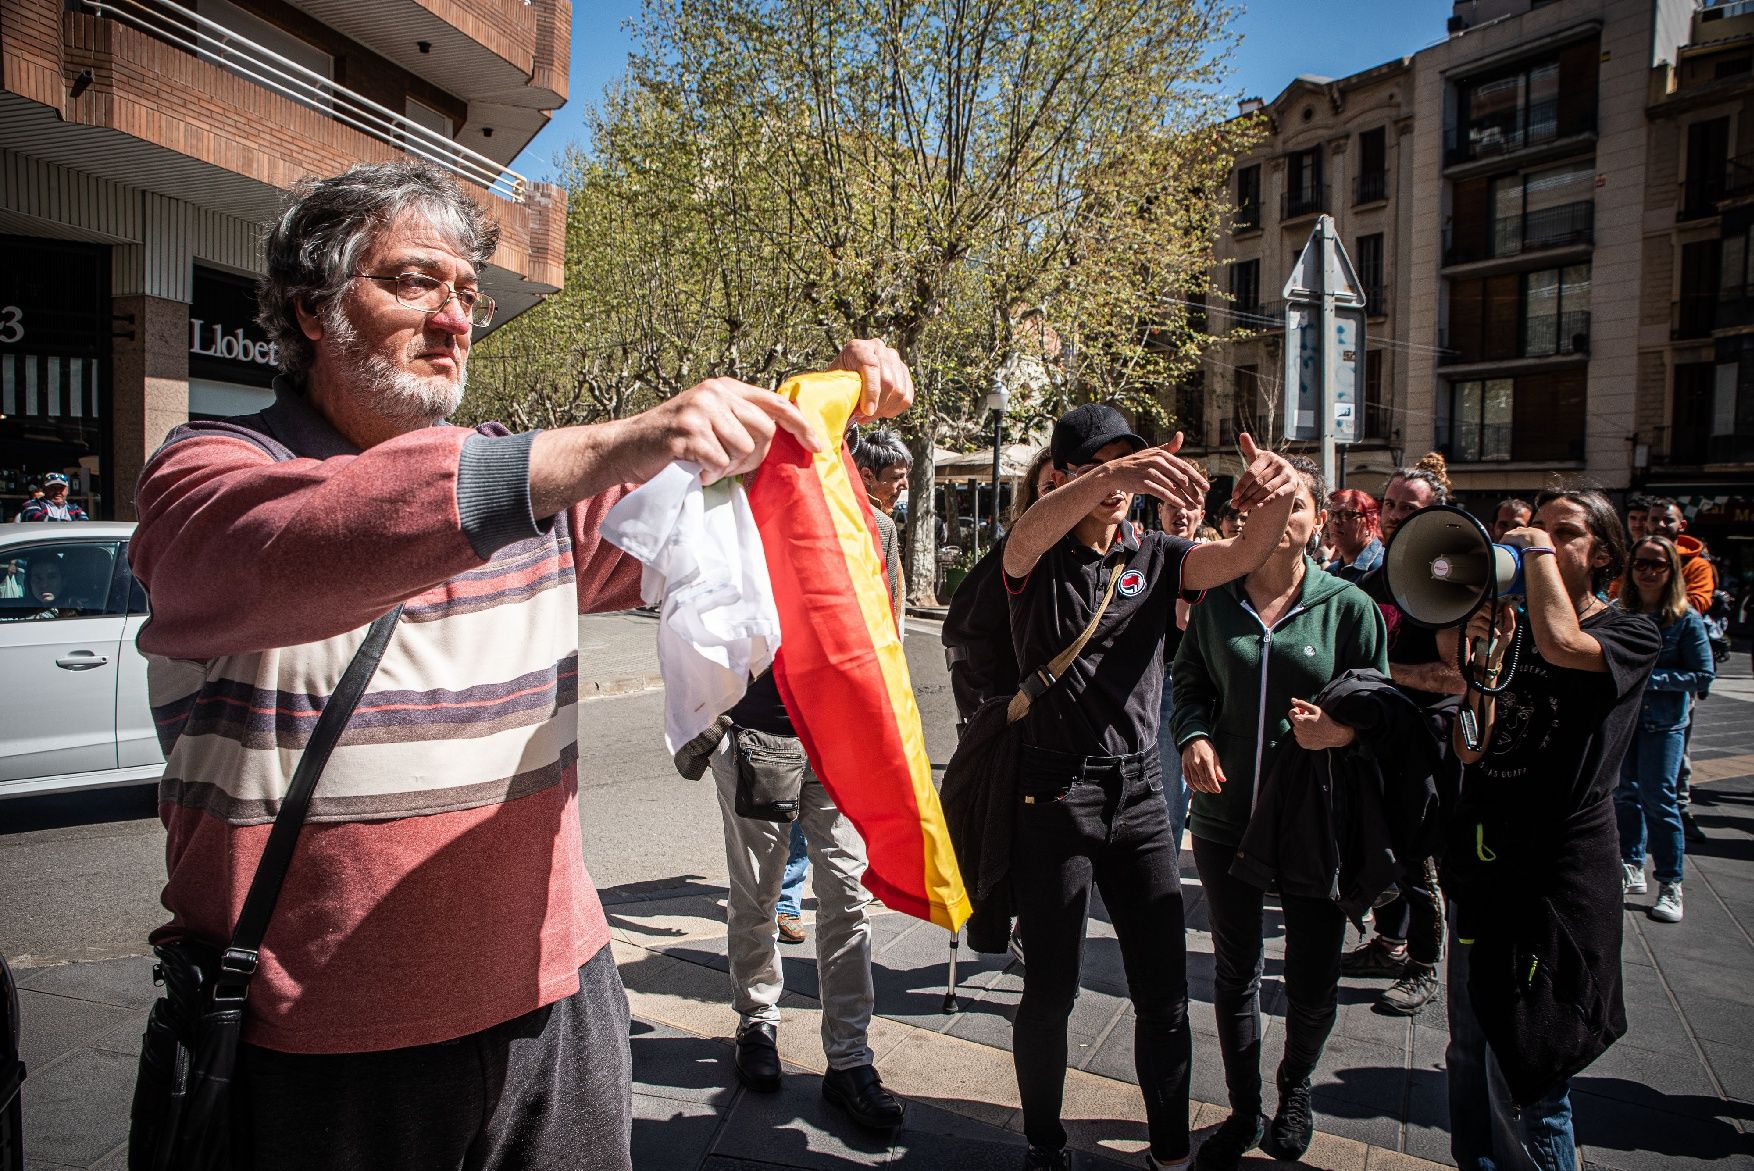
(884, 461)
(436, 987)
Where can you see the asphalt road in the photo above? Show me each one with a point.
(80, 874)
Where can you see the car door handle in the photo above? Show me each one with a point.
(81, 661)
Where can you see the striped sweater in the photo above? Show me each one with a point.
(439, 885)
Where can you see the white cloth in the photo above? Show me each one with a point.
(704, 565)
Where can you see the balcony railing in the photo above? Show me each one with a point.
(211, 41)
(1246, 217)
(1556, 333)
(1370, 187)
(1735, 307)
(1489, 138)
(1565, 226)
(1700, 195)
(1308, 201)
(1540, 336)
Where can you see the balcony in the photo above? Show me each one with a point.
(1246, 217)
(210, 41)
(1569, 225)
(1700, 196)
(1308, 201)
(1491, 138)
(1540, 336)
(1370, 187)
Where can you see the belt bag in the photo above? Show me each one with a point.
(770, 775)
(182, 1113)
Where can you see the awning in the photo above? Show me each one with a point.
(978, 465)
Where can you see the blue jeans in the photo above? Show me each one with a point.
(1646, 803)
(1487, 1131)
(1175, 789)
(797, 865)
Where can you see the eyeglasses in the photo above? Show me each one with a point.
(429, 295)
(1346, 514)
(1648, 565)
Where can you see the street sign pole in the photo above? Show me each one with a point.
(1324, 337)
(1324, 331)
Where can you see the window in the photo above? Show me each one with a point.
(1245, 285)
(1190, 409)
(1373, 166)
(1248, 198)
(1303, 182)
(1708, 160)
(1370, 274)
(1246, 404)
(1556, 311)
(1376, 411)
(1480, 420)
(1527, 105)
(59, 581)
(1690, 430)
(1696, 310)
(1552, 208)
(1536, 417)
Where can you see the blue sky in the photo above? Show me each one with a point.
(1281, 39)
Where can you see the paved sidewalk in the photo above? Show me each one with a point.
(1677, 1092)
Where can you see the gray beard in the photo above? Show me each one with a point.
(402, 397)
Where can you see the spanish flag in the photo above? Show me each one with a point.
(840, 668)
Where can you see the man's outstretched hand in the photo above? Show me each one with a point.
(1267, 476)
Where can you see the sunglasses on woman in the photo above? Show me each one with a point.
(1649, 565)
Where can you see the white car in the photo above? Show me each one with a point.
(73, 710)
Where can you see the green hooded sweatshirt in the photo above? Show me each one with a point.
(1224, 691)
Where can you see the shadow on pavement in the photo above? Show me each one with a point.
(1615, 1114)
(90, 807)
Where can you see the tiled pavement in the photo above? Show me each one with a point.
(1677, 1092)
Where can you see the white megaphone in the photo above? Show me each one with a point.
(1441, 566)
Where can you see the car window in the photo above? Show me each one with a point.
(59, 580)
(126, 580)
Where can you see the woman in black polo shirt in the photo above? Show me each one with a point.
(1090, 791)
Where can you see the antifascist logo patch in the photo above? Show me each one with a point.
(1131, 583)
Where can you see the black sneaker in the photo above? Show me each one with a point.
(1036, 1159)
(1293, 1126)
(1235, 1137)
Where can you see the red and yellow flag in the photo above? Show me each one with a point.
(841, 669)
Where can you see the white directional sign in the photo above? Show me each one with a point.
(1324, 344)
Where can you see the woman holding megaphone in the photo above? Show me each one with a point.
(1533, 865)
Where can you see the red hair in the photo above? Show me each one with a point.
(1358, 500)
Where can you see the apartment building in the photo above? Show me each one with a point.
(145, 143)
(1694, 419)
(1512, 240)
(1338, 147)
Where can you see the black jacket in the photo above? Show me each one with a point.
(977, 636)
(1342, 823)
(979, 797)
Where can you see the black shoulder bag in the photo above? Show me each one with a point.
(978, 792)
(182, 1112)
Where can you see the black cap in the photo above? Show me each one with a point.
(1084, 431)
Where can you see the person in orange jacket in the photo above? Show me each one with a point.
(1665, 520)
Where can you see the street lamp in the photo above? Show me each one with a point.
(996, 399)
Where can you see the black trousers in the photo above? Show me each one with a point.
(1416, 914)
(551, 1088)
(1101, 820)
(1315, 931)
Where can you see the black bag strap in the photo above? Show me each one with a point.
(238, 964)
(1039, 681)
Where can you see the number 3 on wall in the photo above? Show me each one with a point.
(11, 325)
